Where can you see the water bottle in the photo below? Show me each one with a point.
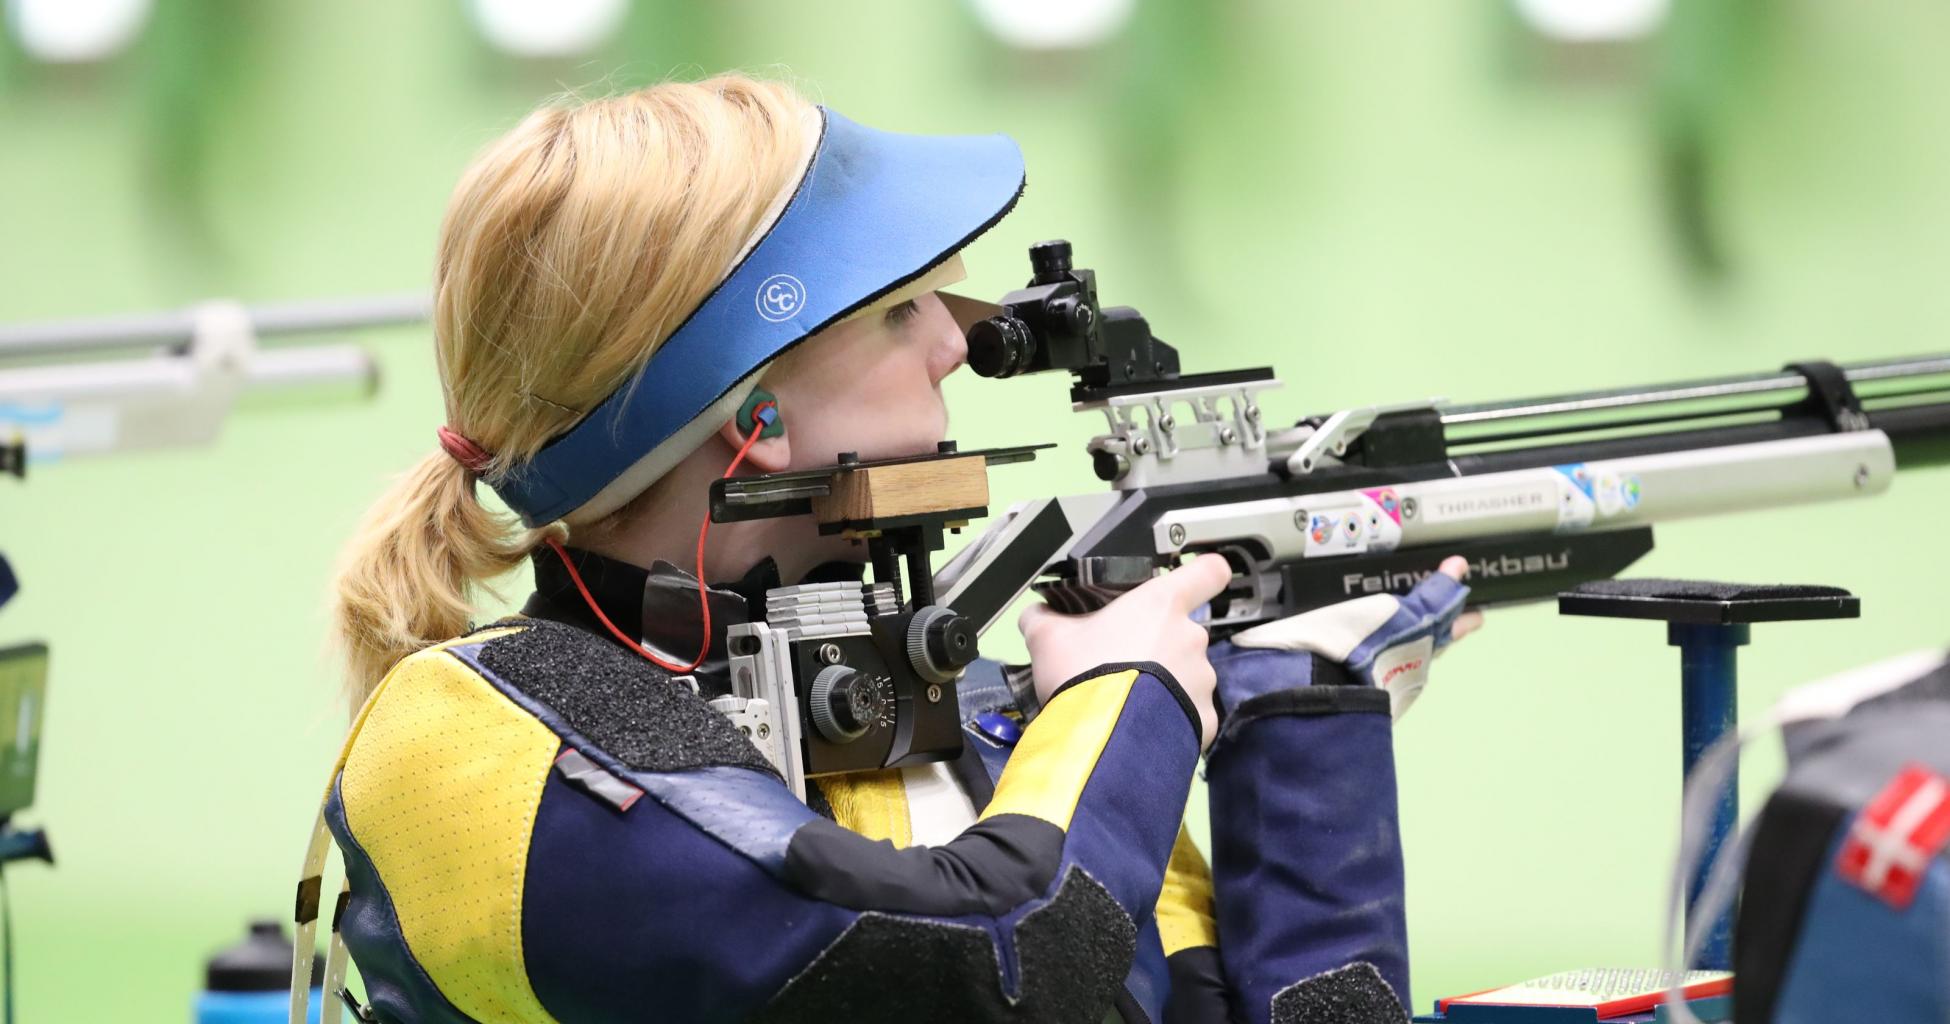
(250, 983)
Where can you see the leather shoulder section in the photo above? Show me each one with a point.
(439, 792)
(626, 706)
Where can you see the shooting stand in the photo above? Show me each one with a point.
(1709, 623)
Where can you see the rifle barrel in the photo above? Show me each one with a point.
(1908, 398)
(1786, 385)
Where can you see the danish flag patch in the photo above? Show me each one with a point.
(1893, 840)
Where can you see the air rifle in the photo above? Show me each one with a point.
(1538, 495)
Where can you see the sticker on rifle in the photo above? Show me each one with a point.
(1617, 492)
(1514, 501)
(1350, 530)
(1387, 500)
(1575, 506)
(1585, 494)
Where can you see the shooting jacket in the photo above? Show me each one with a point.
(539, 825)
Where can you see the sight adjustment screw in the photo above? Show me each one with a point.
(1176, 533)
(829, 653)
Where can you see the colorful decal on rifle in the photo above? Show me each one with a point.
(1348, 530)
(1575, 506)
(1578, 475)
(1585, 494)
(1616, 493)
(1387, 500)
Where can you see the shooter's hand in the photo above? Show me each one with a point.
(1381, 640)
(1151, 623)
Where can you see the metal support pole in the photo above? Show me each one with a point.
(1710, 710)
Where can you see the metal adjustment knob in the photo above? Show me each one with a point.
(843, 703)
(1075, 313)
(1000, 346)
(1109, 467)
(940, 643)
(1049, 260)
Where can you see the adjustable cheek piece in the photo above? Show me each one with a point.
(851, 676)
(845, 676)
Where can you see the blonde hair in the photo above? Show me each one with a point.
(571, 248)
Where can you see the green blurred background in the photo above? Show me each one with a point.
(1386, 200)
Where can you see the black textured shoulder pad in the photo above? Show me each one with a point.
(622, 703)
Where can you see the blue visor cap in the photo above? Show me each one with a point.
(874, 211)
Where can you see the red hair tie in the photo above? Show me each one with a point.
(463, 451)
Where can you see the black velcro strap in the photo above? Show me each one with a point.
(338, 908)
(306, 910)
(1830, 395)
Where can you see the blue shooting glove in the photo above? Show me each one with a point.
(1306, 842)
(1381, 640)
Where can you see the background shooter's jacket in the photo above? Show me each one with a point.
(538, 825)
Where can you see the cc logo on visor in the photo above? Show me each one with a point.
(780, 296)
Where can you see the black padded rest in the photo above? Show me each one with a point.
(1708, 602)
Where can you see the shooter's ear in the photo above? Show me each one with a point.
(772, 451)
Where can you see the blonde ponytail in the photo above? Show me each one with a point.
(572, 247)
(428, 537)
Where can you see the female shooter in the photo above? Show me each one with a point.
(540, 823)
